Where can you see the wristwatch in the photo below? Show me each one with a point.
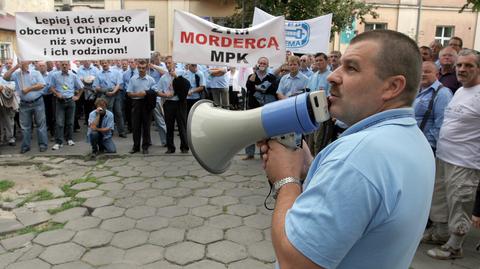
(279, 184)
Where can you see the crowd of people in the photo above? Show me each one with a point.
(126, 96)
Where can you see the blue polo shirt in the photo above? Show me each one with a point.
(138, 84)
(291, 85)
(108, 79)
(25, 80)
(107, 122)
(434, 122)
(319, 80)
(193, 82)
(127, 75)
(366, 198)
(165, 84)
(85, 72)
(66, 84)
(217, 82)
(307, 72)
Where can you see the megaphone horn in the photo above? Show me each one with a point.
(215, 135)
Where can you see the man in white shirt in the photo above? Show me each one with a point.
(458, 162)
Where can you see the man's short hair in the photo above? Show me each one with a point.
(459, 39)
(398, 55)
(448, 48)
(294, 58)
(321, 54)
(101, 101)
(142, 62)
(468, 52)
(336, 52)
(427, 48)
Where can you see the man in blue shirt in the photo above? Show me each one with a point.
(141, 116)
(87, 74)
(100, 128)
(29, 86)
(217, 85)
(431, 88)
(197, 83)
(63, 85)
(127, 101)
(293, 83)
(108, 83)
(366, 197)
(305, 66)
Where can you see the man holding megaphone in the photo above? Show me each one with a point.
(363, 202)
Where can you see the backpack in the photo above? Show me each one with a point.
(181, 86)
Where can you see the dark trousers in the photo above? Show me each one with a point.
(127, 110)
(190, 103)
(141, 120)
(49, 102)
(78, 111)
(65, 116)
(176, 111)
(88, 106)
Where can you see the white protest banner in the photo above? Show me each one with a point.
(309, 36)
(86, 35)
(196, 40)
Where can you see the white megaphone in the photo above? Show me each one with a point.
(215, 135)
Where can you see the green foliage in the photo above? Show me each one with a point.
(344, 11)
(40, 195)
(473, 4)
(85, 179)
(67, 189)
(75, 202)
(5, 185)
(42, 228)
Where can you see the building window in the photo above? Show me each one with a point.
(6, 51)
(151, 21)
(444, 33)
(375, 26)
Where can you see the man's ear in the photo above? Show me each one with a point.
(394, 87)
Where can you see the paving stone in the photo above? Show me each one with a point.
(239, 192)
(144, 254)
(205, 234)
(56, 191)
(112, 186)
(130, 238)
(199, 173)
(137, 186)
(167, 236)
(99, 174)
(192, 184)
(223, 200)
(177, 192)
(249, 264)
(89, 194)
(57, 160)
(109, 179)
(164, 184)
(83, 223)
(118, 224)
(35, 263)
(84, 186)
(119, 194)
(152, 223)
(103, 256)
(120, 265)
(211, 179)
(208, 193)
(108, 212)
(70, 214)
(207, 211)
(2, 250)
(255, 200)
(31, 252)
(160, 201)
(244, 235)
(172, 211)
(186, 222)
(51, 173)
(262, 251)
(125, 171)
(30, 218)
(225, 221)
(133, 180)
(176, 173)
(226, 251)
(223, 185)
(185, 252)
(93, 238)
(62, 253)
(54, 237)
(45, 205)
(206, 264)
(130, 202)
(97, 202)
(73, 265)
(241, 210)
(258, 221)
(193, 201)
(9, 257)
(149, 193)
(139, 212)
(17, 241)
(161, 265)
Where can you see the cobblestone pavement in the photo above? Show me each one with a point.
(160, 212)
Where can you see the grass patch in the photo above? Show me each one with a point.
(75, 202)
(49, 226)
(41, 195)
(5, 185)
(85, 179)
(44, 168)
(67, 189)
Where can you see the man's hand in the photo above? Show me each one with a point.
(110, 94)
(281, 162)
(253, 76)
(169, 94)
(476, 221)
(58, 95)
(26, 90)
(75, 98)
(190, 93)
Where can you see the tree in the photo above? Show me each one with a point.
(344, 11)
(473, 4)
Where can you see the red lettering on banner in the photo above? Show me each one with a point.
(226, 42)
(249, 43)
(214, 40)
(201, 39)
(273, 42)
(237, 43)
(186, 39)
(261, 43)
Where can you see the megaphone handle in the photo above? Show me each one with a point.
(288, 140)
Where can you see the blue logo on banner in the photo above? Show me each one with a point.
(297, 34)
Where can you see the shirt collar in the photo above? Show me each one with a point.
(398, 116)
(434, 85)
